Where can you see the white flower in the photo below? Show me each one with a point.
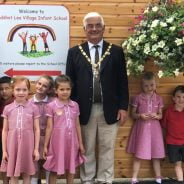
(140, 68)
(163, 56)
(154, 47)
(154, 36)
(135, 42)
(146, 10)
(172, 28)
(129, 62)
(163, 24)
(154, 23)
(147, 48)
(128, 72)
(143, 23)
(138, 48)
(170, 20)
(178, 41)
(129, 48)
(156, 62)
(160, 73)
(176, 72)
(161, 44)
(142, 37)
(155, 9)
(157, 54)
(124, 43)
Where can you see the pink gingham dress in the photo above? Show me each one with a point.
(20, 139)
(146, 139)
(63, 151)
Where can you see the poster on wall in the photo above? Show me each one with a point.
(34, 40)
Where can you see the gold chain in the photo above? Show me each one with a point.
(95, 65)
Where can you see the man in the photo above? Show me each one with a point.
(98, 67)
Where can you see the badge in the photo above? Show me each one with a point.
(59, 112)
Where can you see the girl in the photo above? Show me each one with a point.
(44, 86)
(146, 140)
(20, 135)
(63, 134)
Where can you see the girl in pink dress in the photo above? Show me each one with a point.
(63, 148)
(146, 139)
(41, 98)
(21, 133)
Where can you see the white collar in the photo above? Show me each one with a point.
(90, 45)
(36, 100)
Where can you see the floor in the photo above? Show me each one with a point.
(117, 181)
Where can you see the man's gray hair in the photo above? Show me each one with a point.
(90, 15)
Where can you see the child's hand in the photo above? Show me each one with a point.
(154, 116)
(145, 116)
(36, 155)
(5, 156)
(45, 153)
(81, 148)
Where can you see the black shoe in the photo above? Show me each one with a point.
(39, 181)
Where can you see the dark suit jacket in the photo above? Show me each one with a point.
(113, 79)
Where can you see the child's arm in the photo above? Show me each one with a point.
(136, 115)
(78, 128)
(37, 138)
(157, 115)
(47, 136)
(4, 139)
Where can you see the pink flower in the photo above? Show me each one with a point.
(131, 29)
(182, 24)
(182, 32)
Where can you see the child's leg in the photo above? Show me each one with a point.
(34, 179)
(179, 170)
(69, 178)
(14, 180)
(157, 170)
(52, 178)
(26, 178)
(5, 178)
(47, 173)
(136, 167)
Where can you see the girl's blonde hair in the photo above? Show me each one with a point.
(16, 80)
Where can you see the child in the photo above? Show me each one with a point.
(173, 122)
(43, 86)
(64, 133)
(146, 140)
(20, 135)
(6, 94)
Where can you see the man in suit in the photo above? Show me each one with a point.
(98, 71)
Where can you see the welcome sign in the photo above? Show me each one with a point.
(34, 40)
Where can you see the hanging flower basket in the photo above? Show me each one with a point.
(158, 35)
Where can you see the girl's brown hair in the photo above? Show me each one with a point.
(49, 78)
(62, 78)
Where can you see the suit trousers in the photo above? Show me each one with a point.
(99, 141)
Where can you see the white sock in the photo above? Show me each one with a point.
(134, 180)
(47, 173)
(34, 180)
(158, 180)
